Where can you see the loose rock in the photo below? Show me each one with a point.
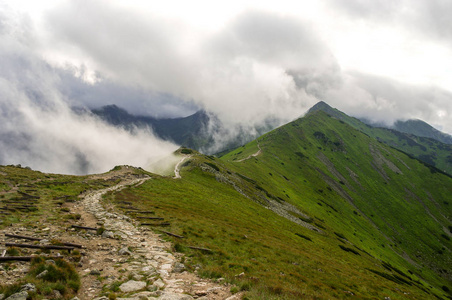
(29, 287)
(178, 268)
(159, 283)
(42, 274)
(124, 251)
(108, 234)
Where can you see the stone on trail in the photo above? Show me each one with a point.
(159, 283)
(124, 251)
(173, 296)
(132, 286)
(178, 267)
(108, 234)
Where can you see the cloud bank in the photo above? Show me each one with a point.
(258, 66)
(254, 70)
(40, 130)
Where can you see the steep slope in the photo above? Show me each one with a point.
(381, 200)
(428, 150)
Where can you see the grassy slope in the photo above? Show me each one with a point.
(395, 205)
(33, 200)
(383, 219)
(52, 190)
(428, 150)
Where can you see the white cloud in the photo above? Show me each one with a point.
(40, 130)
(249, 62)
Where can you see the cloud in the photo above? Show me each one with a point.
(39, 128)
(386, 100)
(135, 100)
(243, 73)
(426, 18)
(239, 72)
(258, 70)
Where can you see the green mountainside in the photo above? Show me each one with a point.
(409, 138)
(316, 209)
(312, 209)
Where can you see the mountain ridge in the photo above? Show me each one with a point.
(428, 150)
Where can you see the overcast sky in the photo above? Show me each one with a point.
(245, 61)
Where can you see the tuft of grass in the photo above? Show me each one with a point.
(60, 276)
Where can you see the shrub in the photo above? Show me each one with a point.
(13, 251)
(186, 151)
(214, 166)
(299, 154)
(60, 276)
(100, 230)
(349, 250)
(304, 237)
(445, 237)
(340, 235)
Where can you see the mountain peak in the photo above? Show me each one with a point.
(320, 106)
(323, 106)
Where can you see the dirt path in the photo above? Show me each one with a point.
(177, 167)
(127, 251)
(252, 155)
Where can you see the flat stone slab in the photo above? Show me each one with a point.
(132, 286)
(173, 296)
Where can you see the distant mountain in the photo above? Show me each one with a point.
(423, 129)
(188, 131)
(197, 131)
(426, 149)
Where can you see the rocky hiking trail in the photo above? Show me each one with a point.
(134, 262)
